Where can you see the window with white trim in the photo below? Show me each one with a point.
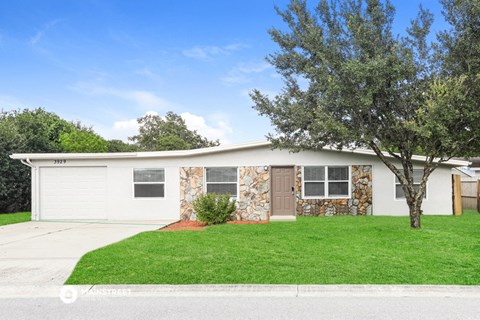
(326, 182)
(222, 180)
(149, 183)
(417, 177)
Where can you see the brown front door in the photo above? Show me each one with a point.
(283, 198)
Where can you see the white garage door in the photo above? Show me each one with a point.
(73, 193)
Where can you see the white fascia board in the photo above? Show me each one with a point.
(196, 152)
(451, 162)
(48, 156)
(151, 154)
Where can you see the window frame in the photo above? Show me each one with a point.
(237, 195)
(327, 181)
(150, 198)
(425, 196)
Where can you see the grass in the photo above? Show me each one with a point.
(328, 250)
(10, 218)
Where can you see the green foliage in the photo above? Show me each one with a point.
(14, 176)
(172, 142)
(36, 131)
(26, 131)
(82, 140)
(349, 82)
(120, 146)
(168, 133)
(214, 209)
(41, 129)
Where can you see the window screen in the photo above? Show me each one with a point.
(328, 182)
(417, 177)
(149, 183)
(314, 189)
(222, 180)
(314, 181)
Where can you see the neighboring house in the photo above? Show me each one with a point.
(470, 172)
(467, 173)
(267, 184)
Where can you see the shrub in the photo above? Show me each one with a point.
(214, 209)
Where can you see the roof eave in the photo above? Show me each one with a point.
(130, 155)
(196, 152)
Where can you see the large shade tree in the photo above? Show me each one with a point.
(158, 133)
(36, 131)
(350, 82)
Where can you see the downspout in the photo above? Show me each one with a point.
(29, 163)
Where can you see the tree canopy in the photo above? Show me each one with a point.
(36, 131)
(350, 82)
(82, 140)
(25, 131)
(116, 145)
(158, 133)
(39, 131)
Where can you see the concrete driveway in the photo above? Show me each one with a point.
(45, 253)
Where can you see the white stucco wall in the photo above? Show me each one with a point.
(123, 206)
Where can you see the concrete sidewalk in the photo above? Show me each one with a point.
(43, 254)
(92, 291)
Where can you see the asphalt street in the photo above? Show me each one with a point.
(338, 307)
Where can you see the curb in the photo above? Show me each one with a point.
(241, 290)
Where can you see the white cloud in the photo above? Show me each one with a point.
(235, 79)
(144, 99)
(208, 52)
(34, 40)
(121, 129)
(126, 125)
(242, 73)
(219, 129)
(146, 72)
(253, 67)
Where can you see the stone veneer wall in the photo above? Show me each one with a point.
(191, 185)
(254, 194)
(360, 202)
(254, 201)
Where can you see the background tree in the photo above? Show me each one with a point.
(366, 87)
(458, 57)
(168, 133)
(82, 140)
(25, 131)
(14, 176)
(36, 131)
(116, 145)
(40, 129)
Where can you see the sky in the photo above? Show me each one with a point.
(106, 63)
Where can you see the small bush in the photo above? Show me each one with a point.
(214, 209)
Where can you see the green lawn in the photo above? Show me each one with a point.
(9, 218)
(335, 250)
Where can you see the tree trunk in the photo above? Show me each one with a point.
(414, 215)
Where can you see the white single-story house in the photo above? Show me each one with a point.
(267, 184)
